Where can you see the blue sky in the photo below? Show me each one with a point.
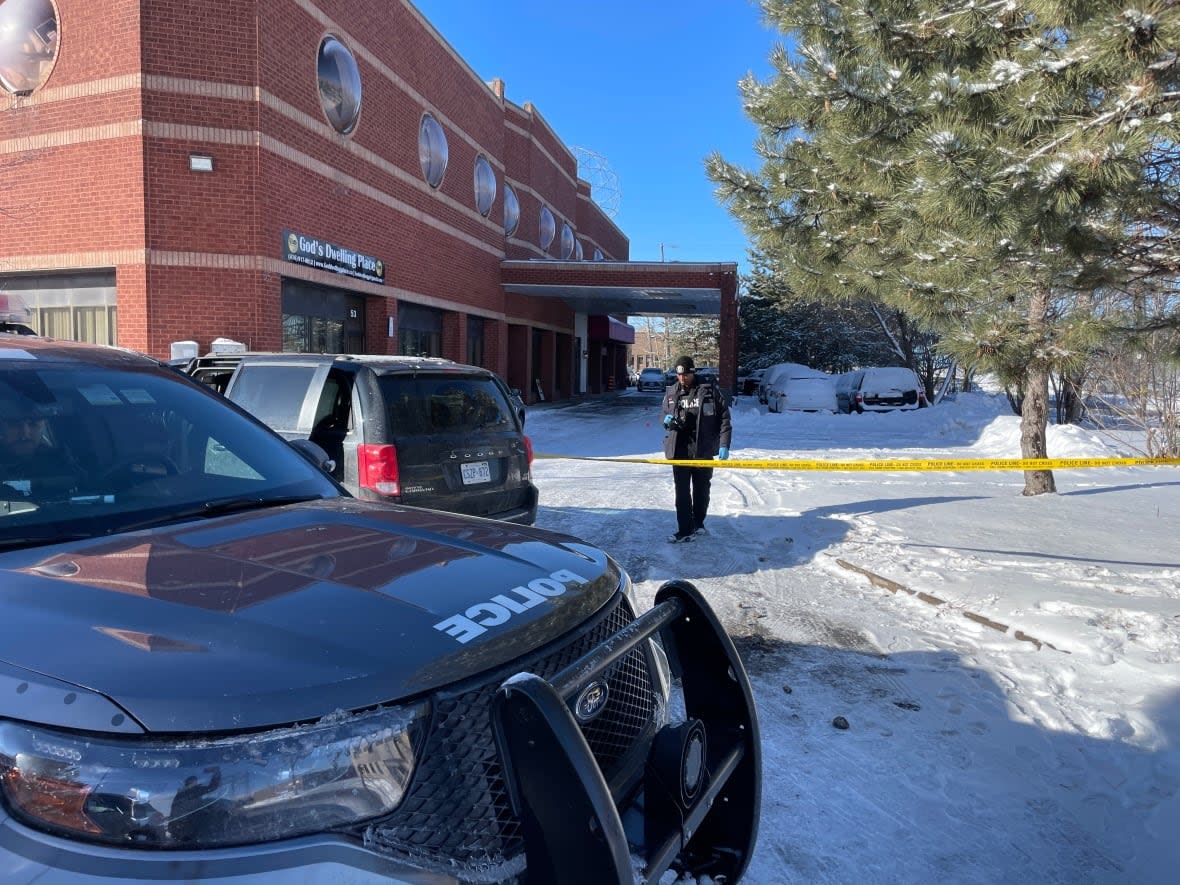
(651, 85)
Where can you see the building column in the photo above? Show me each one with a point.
(454, 336)
(727, 360)
(381, 325)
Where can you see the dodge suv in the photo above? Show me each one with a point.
(217, 665)
(411, 430)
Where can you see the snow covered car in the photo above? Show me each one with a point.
(216, 665)
(791, 387)
(883, 389)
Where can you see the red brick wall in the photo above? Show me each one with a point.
(102, 177)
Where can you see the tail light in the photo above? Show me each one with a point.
(528, 450)
(377, 469)
(860, 399)
(921, 399)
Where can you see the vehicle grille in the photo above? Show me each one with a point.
(457, 813)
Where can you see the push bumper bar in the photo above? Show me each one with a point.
(700, 795)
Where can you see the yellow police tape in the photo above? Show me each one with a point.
(952, 465)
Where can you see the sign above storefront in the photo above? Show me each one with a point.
(318, 253)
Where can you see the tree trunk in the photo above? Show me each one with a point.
(1034, 410)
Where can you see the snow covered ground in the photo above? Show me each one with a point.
(971, 755)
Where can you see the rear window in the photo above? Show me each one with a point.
(904, 379)
(426, 405)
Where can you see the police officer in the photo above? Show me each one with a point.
(697, 427)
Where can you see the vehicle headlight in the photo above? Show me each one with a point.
(159, 793)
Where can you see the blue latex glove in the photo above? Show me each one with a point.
(667, 420)
(723, 453)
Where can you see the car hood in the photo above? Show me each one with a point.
(284, 615)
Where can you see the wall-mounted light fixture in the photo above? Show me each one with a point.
(200, 163)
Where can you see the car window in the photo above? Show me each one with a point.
(273, 393)
(109, 448)
(903, 379)
(427, 405)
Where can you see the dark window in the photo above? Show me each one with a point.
(419, 330)
(424, 405)
(475, 341)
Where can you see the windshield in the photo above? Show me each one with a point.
(90, 450)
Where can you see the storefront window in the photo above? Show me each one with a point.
(28, 44)
(340, 84)
(419, 330)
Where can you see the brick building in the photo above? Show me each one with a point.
(306, 175)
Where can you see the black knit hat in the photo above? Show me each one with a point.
(685, 364)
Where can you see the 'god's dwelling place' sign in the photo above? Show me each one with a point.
(328, 256)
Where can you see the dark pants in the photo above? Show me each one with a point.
(692, 497)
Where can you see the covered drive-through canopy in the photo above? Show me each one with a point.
(628, 288)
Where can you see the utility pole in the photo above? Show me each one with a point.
(666, 245)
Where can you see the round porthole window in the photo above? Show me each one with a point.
(511, 211)
(548, 228)
(567, 241)
(432, 150)
(340, 84)
(28, 44)
(485, 185)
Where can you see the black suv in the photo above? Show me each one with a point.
(218, 666)
(412, 430)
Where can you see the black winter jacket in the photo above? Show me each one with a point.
(701, 421)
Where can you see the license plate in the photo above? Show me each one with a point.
(475, 472)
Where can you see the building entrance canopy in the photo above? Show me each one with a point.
(628, 289)
(625, 288)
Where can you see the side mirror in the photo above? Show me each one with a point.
(313, 453)
(518, 404)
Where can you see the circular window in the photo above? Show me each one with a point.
(548, 228)
(485, 185)
(432, 150)
(28, 44)
(511, 211)
(578, 255)
(340, 85)
(598, 255)
(567, 240)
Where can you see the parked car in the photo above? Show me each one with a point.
(222, 667)
(651, 378)
(794, 387)
(751, 382)
(846, 386)
(804, 395)
(411, 430)
(885, 389)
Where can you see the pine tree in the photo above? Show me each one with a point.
(982, 165)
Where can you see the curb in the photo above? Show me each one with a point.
(894, 587)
